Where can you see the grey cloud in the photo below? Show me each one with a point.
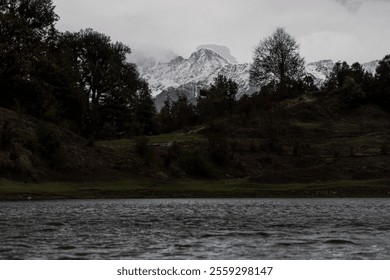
(324, 28)
(354, 5)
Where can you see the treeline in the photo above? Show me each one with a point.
(358, 87)
(278, 70)
(351, 84)
(80, 80)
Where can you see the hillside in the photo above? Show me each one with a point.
(305, 140)
(35, 151)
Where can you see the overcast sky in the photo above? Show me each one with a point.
(351, 30)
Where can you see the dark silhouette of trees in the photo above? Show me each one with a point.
(118, 100)
(337, 76)
(341, 71)
(352, 93)
(145, 111)
(382, 83)
(177, 115)
(165, 118)
(276, 61)
(26, 32)
(98, 62)
(355, 85)
(219, 99)
(184, 113)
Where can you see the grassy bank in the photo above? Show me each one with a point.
(147, 188)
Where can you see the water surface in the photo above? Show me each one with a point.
(196, 229)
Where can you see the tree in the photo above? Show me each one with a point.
(98, 61)
(183, 113)
(26, 30)
(340, 72)
(276, 60)
(165, 117)
(382, 82)
(219, 99)
(355, 85)
(145, 111)
(353, 94)
(118, 100)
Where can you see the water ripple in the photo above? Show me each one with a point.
(196, 229)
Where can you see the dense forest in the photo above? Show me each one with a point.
(83, 83)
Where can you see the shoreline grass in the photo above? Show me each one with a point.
(190, 188)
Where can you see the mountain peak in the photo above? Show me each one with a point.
(324, 62)
(202, 55)
(221, 50)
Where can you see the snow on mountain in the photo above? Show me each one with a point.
(194, 73)
(188, 76)
(221, 50)
(320, 71)
(370, 67)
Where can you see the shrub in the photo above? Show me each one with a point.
(5, 135)
(195, 163)
(218, 149)
(142, 147)
(48, 142)
(353, 95)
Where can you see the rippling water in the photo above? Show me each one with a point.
(196, 229)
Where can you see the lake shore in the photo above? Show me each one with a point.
(188, 188)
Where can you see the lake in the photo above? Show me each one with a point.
(196, 229)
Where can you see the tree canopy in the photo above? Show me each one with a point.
(26, 30)
(382, 80)
(218, 100)
(117, 99)
(276, 61)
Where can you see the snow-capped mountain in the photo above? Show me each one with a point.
(188, 76)
(320, 71)
(221, 50)
(370, 67)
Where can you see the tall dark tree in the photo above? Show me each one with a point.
(26, 30)
(145, 111)
(118, 100)
(382, 82)
(165, 117)
(276, 60)
(98, 61)
(183, 113)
